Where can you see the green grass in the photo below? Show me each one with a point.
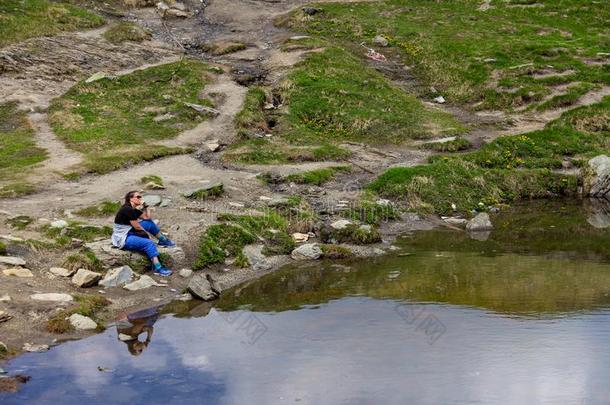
(126, 31)
(463, 52)
(152, 178)
(455, 145)
(103, 209)
(20, 222)
(573, 94)
(332, 95)
(251, 117)
(18, 150)
(85, 260)
(20, 20)
(2, 249)
(87, 305)
(77, 230)
(335, 252)
(111, 121)
(317, 177)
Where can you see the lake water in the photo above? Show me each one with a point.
(521, 318)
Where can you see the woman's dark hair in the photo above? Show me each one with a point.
(129, 196)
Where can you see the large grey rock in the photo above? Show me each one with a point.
(18, 272)
(596, 178)
(117, 277)
(61, 272)
(308, 251)
(479, 223)
(257, 260)
(202, 288)
(114, 257)
(340, 224)
(152, 200)
(12, 261)
(142, 283)
(52, 297)
(86, 278)
(80, 322)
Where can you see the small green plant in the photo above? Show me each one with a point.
(85, 260)
(103, 209)
(334, 252)
(252, 117)
(20, 222)
(87, 305)
(126, 31)
(152, 178)
(206, 193)
(317, 177)
(2, 249)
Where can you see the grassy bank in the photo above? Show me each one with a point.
(20, 20)
(115, 121)
(18, 150)
(506, 169)
(507, 56)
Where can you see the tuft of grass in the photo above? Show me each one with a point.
(334, 252)
(252, 117)
(456, 145)
(219, 242)
(571, 97)
(35, 18)
(77, 230)
(16, 189)
(18, 150)
(317, 177)
(489, 59)
(87, 305)
(112, 120)
(103, 209)
(20, 222)
(264, 152)
(371, 213)
(224, 48)
(126, 31)
(2, 249)
(206, 193)
(85, 260)
(152, 178)
(352, 233)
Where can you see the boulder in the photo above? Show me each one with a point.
(596, 177)
(308, 251)
(142, 283)
(340, 224)
(257, 260)
(80, 322)
(480, 223)
(52, 297)
(185, 273)
(12, 261)
(61, 272)
(18, 272)
(86, 278)
(152, 200)
(201, 288)
(114, 257)
(117, 277)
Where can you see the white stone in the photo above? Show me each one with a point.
(380, 40)
(439, 100)
(81, 322)
(52, 297)
(60, 271)
(12, 261)
(5, 298)
(308, 251)
(340, 224)
(32, 348)
(142, 283)
(300, 237)
(18, 272)
(86, 278)
(11, 238)
(117, 277)
(60, 223)
(185, 273)
(257, 260)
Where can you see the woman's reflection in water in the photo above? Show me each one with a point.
(131, 326)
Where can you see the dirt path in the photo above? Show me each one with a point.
(60, 157)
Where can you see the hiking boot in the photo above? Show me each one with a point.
(162, 271)
(167, 243)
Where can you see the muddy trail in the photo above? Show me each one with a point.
(37, 70)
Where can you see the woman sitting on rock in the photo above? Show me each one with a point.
(133, 226)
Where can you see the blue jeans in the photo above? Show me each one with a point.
(137, 243)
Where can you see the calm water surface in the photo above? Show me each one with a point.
(521, 318)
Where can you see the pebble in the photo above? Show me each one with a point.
(60, 271)
(185, 273)
(32, 348)
(439, 100)
(18, 272)
(81, 322)
(5, 298)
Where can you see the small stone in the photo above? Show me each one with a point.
(97, 76)
(456, 221)
(201, 288)
(311, 10)
(12, 261)
(309, 251)
(383, 202)
(125, 338)
(60, 271)
(340, 224)
(52, 297)
(80, 322)
(185, 273)
(18, 272)
(11, 238)
(439, 100)
(59, 224)
(32, 348)
(86, 278)
(257, 260)
(380, 40)
(184, 297)
(213, 145)
(154, 186)
(117, 277)
(5, 298)
(300, 237)
(163, 281)
(479, 223)
(142, 283)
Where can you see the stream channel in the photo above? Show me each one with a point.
(521, 316)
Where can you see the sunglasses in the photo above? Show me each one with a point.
(137, 197)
